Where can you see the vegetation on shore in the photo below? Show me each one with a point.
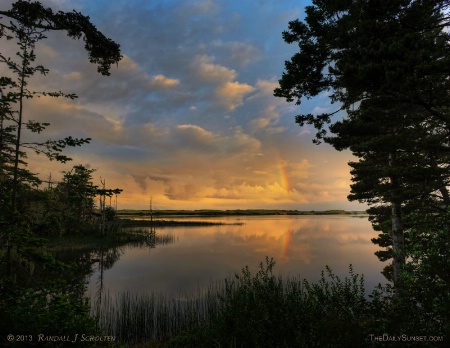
(39, 293)
(247, 310)
(233, 212)
(262, 310)
(171, 223)
(385, 74)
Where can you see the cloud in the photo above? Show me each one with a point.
(205, 6)
(188, 116)
(213, 73)
(320, 110)
(237, 52)
(47, 52)
(269, 108)
(162, 82)
(194, 137)
(228, 92)
(266, 87)
(269, 117)
(231, 94)
(67, 117)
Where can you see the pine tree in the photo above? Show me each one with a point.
(386, 65)
(27, 26)
(401, 168)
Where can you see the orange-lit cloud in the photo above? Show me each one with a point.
(207, 71)
(160, 81)
(188, 116)
(231, 94)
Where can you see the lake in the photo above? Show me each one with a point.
(196, 256)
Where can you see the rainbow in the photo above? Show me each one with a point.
(286, 241)
(284, 178)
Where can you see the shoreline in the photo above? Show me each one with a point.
(235, 212)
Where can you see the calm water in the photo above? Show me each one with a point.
(300, 245)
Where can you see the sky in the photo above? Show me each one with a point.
(188, 117)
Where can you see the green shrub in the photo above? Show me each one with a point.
(25, 311)
(265, 311)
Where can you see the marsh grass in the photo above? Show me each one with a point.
(136, 236)
(260, 310)
(173, 223)
(149, 237)
(134, 318)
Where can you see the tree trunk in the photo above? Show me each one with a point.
(25, 63)
(398, 245)
(398, 238)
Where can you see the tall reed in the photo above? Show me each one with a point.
(250, 310)
(135, 317)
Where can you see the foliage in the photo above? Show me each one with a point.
(355, 52)
(44, 297)
(29, 21)
(427, 278)
(408, 316)
(78, 191)
(395, 155)
(42, 305)
(110, 214)
(261, 310)
(102, 50)
(249, 310)
(13, 119)
(386, 66)
(43, 312)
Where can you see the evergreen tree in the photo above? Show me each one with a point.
(78, 191)
(44, 306)
(28, 23)
(402, 168)
(32, 14)
(77, 194)
(358, 49)
(386, 65)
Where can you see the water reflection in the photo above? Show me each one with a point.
(301, 246)
(87, 257)
(106, 257)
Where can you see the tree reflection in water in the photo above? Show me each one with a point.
(88, 258)
(106, 257)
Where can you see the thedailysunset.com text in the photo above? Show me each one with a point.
(405, 338)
